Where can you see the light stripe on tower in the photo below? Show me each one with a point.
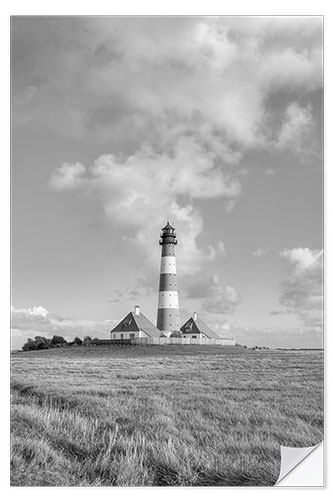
(168, 265)
(168, 299)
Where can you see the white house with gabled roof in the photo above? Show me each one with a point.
(135, 325)
(195, 328)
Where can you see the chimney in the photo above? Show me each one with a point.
(195, 316)
(137, 310)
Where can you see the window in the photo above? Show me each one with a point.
(121, 336)
(194, 336)
(132, 335)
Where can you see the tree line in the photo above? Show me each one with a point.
(57, 341)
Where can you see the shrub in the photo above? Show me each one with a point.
(42, 342)
(37, 344)
(56, 339)
(30, 345)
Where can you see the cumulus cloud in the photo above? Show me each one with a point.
(297, 124)
(177, 102)
(68, 176)
(224, 300)
(141, 190)
(215, 297)
(302, 292)
(116, 79)
(37, 320)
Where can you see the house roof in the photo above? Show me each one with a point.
(147, 326)
(199, 326)
(133, 322)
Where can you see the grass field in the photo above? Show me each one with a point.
(163, 415)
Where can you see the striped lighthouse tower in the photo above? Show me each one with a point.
(168, 307)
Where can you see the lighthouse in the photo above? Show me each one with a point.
(168, 307)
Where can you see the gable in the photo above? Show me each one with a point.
(190, 327)
(198, 326)
(127, 324)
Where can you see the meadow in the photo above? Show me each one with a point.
(161, 415)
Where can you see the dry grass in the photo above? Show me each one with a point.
(169, 415)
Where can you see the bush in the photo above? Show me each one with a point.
(77, 341)
(42, 342)
(56, 339)
(37, 344)
(30, 345)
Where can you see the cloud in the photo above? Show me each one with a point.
(296, 127)
(220, 325)
(230, 205)
(37, 320)
(259, 252)
(223, 300)
(68, 176)
(302, 292)
(140, 191)
(221, 249)
(123, 80)
(179, 102)
(176, 102)
(215, 297)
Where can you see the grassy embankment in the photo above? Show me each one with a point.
(169, 415)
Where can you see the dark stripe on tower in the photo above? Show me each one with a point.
(168, 282)
(168, 250)
(168, 319)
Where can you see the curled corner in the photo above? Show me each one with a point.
(301, 466)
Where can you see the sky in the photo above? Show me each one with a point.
(122, 123)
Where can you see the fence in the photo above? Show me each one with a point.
(181, 341)
(109, 341)
(163, 341)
